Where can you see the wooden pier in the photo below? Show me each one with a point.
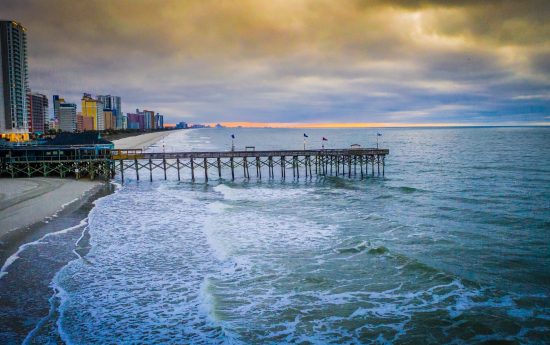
(94, 162)
(104, 163)
(354, 162)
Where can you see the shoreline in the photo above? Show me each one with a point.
(33, 255)
(38, 213)
(29, 202)
(142, 141)
(26, 201)
(27, 229)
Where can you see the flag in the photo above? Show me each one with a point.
(325, 139)
(232, 136)
(305, 136)
(379, 134)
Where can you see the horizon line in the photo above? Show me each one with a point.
(249, 124)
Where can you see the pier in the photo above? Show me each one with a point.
(79, 162)
(92, 161)
(354, 162)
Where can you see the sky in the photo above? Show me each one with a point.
(297, 62)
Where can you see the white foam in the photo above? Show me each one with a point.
(15, 256)
(258, 193)
(63, 297)
(207, 300)
(214, 237)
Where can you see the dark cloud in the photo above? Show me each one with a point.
(297, 61)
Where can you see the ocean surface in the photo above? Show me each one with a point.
(451, 246)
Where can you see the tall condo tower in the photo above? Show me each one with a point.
(37, 112)
(13, 77)
(93, 108)
(112, 104)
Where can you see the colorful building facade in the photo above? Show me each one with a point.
(93, 108)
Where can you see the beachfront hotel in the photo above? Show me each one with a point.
(112, 108)
(67, 117)
(13, 78)
(93, 108)
(38, 112)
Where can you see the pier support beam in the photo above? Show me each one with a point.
(283, 167)
(361, 165)
(121, 170)
(136, 166)
(150, 170)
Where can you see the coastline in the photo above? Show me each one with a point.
(37, 213)
(30, 258)
(29, 215)
(25, 202)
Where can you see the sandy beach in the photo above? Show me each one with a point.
(142, 141)
(25, 201)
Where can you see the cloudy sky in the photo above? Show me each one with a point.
(297, 61)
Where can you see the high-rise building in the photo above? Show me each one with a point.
(38, 112)
(67, 117)
(93, 108)
(13, 77)
(112, 104)
(148, 118)
(56, 101)
(109, 119)
(84, 123)
(181, 125)
(135, 121)
(159, 121)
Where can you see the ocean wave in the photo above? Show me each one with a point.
(258, 193)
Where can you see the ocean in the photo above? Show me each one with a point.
(451, 246)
